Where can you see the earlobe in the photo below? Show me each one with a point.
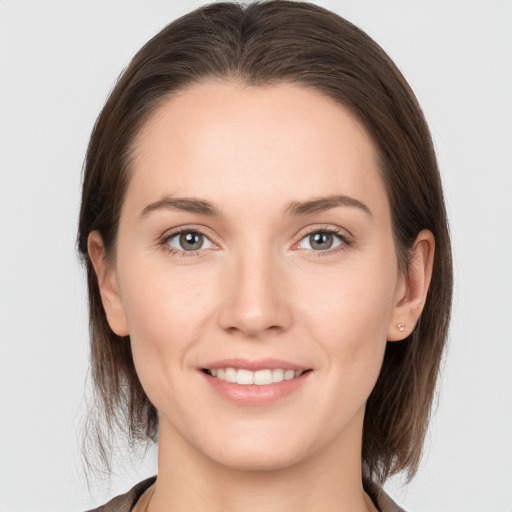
(410, 303)
(107, 282)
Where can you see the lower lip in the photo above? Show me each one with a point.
(253, 394)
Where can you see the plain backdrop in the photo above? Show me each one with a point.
(59, 60)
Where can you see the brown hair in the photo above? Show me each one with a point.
(262, 43)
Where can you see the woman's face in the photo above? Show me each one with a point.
(255, 242)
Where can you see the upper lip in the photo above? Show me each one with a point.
(255, 364)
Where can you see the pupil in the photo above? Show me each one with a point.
(191, 241)
(321, 241)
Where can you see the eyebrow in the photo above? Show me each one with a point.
(323, 204)
(185, 204)
(297, 208)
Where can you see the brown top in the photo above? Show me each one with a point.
(126, 502)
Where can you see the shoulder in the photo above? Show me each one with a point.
(126, 502)
(383, 502)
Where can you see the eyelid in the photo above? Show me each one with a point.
(163, 240)
(344, 235)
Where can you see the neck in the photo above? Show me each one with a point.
(328, 480)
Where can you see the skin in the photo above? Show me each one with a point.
(257, 289)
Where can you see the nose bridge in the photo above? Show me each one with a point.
(255, 299)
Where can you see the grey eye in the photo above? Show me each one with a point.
(320, 241)
(189, 241)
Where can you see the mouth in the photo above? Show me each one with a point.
(255, 382)
(263, 377)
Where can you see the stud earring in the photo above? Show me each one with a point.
(401, 327)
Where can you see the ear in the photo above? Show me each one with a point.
(412, 293)
(107, 282)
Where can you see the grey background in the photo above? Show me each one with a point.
(58, 61)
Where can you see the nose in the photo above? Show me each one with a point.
(255, 296)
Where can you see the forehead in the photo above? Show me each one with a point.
(222, 140)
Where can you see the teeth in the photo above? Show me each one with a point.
(259, 377)
(231, 375)
(244, 377)
(277, 375)
(263, 377)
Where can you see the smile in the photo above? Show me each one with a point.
(245, 377)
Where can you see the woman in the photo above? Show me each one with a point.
(268, 262)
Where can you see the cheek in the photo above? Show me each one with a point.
(355, 298)
(166, 313)
(162, 300)
(166, 310)
(348, 315)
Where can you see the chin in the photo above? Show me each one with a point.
(257, 459)
(266, 450)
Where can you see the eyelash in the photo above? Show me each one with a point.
(164, 242)
(345, 239)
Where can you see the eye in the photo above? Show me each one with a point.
(189, 241)
(322, 240)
